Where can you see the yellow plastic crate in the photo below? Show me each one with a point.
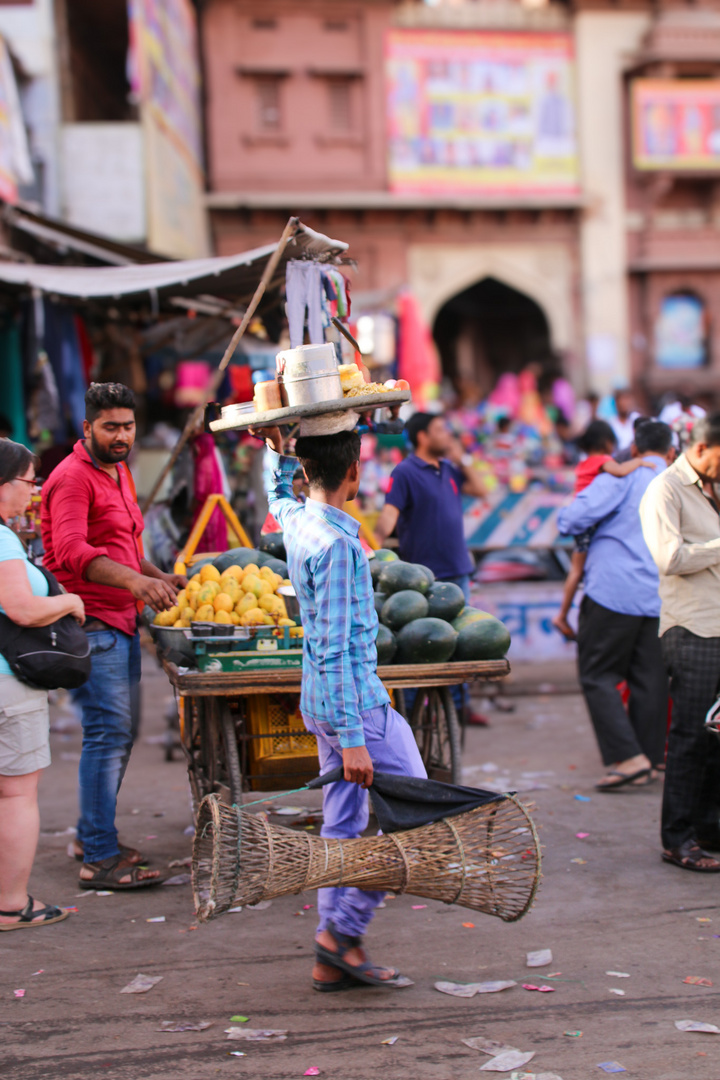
(285, 749)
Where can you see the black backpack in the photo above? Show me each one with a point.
(47, 657)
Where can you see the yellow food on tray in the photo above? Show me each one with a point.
(350, 377)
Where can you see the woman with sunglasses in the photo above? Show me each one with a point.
(24, 721)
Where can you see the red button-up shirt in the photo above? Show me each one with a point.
(85, 514)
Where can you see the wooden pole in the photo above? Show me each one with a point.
(198, 412)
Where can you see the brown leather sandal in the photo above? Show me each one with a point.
(688, 857)
(107, 874)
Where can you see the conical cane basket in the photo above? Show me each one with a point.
(487, 859)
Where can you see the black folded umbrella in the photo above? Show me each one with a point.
(407, 802)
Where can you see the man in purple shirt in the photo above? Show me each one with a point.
(425, 503)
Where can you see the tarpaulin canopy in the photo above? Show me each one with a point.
(229, 276)
(407, 802)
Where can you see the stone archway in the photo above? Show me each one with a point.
(542, 271)
(488, 329)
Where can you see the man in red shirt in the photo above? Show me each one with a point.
(91, 528)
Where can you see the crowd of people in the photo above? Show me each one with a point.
(646, 523)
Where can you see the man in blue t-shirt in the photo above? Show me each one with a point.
(425, 504)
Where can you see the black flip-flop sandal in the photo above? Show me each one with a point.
(346, 983)
(366, 972)
(623, 781)
(687, 857)
(107, 872)
(30, 919)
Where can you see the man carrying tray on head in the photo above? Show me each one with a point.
(343, 702)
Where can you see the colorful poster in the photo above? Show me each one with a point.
(481, 112)
(676, 124)
(164, 74)
(681, 332)
(15, 164)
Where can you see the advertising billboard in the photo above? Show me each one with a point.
(481, 112)
(164, 74)
(676, 124)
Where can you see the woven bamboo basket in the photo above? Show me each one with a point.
(487, 859)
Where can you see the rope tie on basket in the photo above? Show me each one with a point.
(403, 856)
(461, 851)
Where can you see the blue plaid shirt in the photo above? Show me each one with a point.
(331, 577)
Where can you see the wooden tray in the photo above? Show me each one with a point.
(278, 681)
(233, 419)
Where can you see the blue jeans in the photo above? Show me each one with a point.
(108, 700)
(459, 692)
(392, 749)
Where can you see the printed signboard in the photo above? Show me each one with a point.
(676, 124)
(481, 112)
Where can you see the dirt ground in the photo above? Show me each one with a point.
(607, 904)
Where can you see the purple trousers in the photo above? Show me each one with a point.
(392, 749)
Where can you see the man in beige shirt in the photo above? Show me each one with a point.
(680, 514)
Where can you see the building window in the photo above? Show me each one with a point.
(340, 105)
(681, 332)
(268, 102)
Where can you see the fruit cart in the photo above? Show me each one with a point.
(242, 730)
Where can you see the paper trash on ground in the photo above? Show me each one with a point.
(256, 1034)
(618, 974)
(467, 990)
(697, 1025)
(511, 1059)
(184, 1025)
(541, 958)
(490, 1046)
(141, 984)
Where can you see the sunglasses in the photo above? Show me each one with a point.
(33, 483)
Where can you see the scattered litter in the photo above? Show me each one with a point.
(178, 879)
(40, 972)
(702, 919)
(618, 974)
(239, 1019)
(469, 925)
(553, 975)
(468, 990)
(511, 1059)
(611, 1067)
(190, 831)
(308, 907)
(614, 990)
(695, 980)
(141, 984)
(180, 862)
(573, 1034)
(103, 892)
(19, 993)
(152, 836)
(541, 958)
(582, 835)
(583, 798)
(262, 905)
(156, 918)
(237, 1053)
(697, 1025)
(541, 989)
(580, 862)
(256, 1034)
(184, 1025)
(391, 1041)
(288, 811)
(490, 1046)
(421, 907)
(312, 1071)
(234, 910)
(72, 909)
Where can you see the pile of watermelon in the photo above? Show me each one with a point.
(424, 621)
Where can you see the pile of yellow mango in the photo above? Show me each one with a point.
(241, 596)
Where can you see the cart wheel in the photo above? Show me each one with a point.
(399, 696)
(437, 732)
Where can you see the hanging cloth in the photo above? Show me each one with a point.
(304, 293)
(407, 802)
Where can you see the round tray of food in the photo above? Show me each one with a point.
(372, 396)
